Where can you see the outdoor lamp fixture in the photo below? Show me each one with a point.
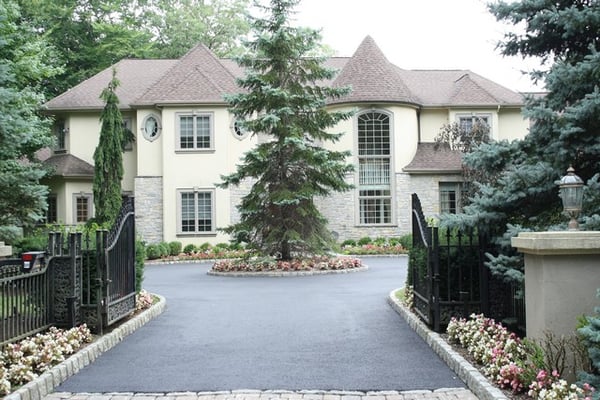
(571, 193)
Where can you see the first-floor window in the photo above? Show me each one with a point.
(449, 197)
(375, 206)
(52, 211)
(196, 211)
(82, 207)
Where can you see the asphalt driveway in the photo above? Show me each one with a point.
(332, 332)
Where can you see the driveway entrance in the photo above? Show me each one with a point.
(328, 332)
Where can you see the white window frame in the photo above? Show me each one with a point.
(362, 188)
(61, 131)
(127, 124)
(196, 191)
(195, 116)
(90, 210)
(475, 116)
(448, 187)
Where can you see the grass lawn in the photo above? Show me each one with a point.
(400, 294)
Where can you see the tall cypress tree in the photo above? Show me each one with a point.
(282, 99)
(108, 157)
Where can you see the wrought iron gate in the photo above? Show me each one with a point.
(115, 265)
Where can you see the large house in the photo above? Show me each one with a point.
(186, 138)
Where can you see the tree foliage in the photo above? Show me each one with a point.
(25, 64)
(283, 100)
(564, 129)
(108, 157)
(91, 35)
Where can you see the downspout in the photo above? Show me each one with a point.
(419, 125)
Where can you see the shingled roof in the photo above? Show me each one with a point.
(135, 76)
(69, 166)
(431, 158)
(200, 77)
(372, 78)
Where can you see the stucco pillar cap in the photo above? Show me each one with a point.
(558, 242)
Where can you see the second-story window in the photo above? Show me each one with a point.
(60, 131)
(195, 131)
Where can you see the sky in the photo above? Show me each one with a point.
(421, 34)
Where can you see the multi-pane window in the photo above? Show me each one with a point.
(52, 211)
(196, 211)
(60, 130)
(195, 132)
(466, 122)
(128, 136)
(374, 166)
(449, 197)
(82, 207)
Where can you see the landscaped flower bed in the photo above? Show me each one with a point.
(509, 362)
(24, 361)
(266, 264)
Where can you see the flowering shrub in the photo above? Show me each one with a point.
(506, 360)
(24, 361)
(143, 300)
(266, 264)
(374, 249)
(550, 386)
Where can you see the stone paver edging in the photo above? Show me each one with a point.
(468, 373)
(277, 274)
(45, 383)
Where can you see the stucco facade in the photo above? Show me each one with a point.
(171, 177)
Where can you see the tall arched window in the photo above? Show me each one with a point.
(374, 166)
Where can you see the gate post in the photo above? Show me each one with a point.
(435, 277)
(100, 278)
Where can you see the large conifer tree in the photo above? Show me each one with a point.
(108, 157)
(283, 100)
(565, 128)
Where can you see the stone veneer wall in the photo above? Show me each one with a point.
(340, 209)
(149, 208)
(235, 197)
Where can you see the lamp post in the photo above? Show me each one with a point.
(571, 193)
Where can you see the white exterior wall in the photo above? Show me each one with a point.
(512, 125)
(431, 122)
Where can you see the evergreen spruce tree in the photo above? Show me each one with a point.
(590, 333)
(25, 64)
(564, 131)
(108, 157)
(282, 100)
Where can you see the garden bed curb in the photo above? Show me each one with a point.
(278, 274)
(45, 383)
(474, 380)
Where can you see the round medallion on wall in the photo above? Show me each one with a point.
(151, 127)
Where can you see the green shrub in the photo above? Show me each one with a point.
(175, 248)
(189, 248)
(406, 241)
(236, 246)
(364, 240)
(140, 256)
(380, 241)
(222, 246)
(152, 251)
(163, 248)
(349, 242)
(36, 241)
(205, 246)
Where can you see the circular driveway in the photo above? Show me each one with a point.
(327, 332)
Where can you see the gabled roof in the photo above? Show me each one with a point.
(69, 166)
(200, 77)
(431, 158)
(135, 76)
(372, 78)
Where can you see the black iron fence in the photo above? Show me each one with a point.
(450, 278)
(85, 279)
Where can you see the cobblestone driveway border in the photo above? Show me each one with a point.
(474, 380)
(45, 383)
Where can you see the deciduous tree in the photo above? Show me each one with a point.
(25, 64)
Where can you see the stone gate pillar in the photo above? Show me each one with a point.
(562, 275)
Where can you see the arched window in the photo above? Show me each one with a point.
(374, 168)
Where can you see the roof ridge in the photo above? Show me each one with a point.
(461, 81)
